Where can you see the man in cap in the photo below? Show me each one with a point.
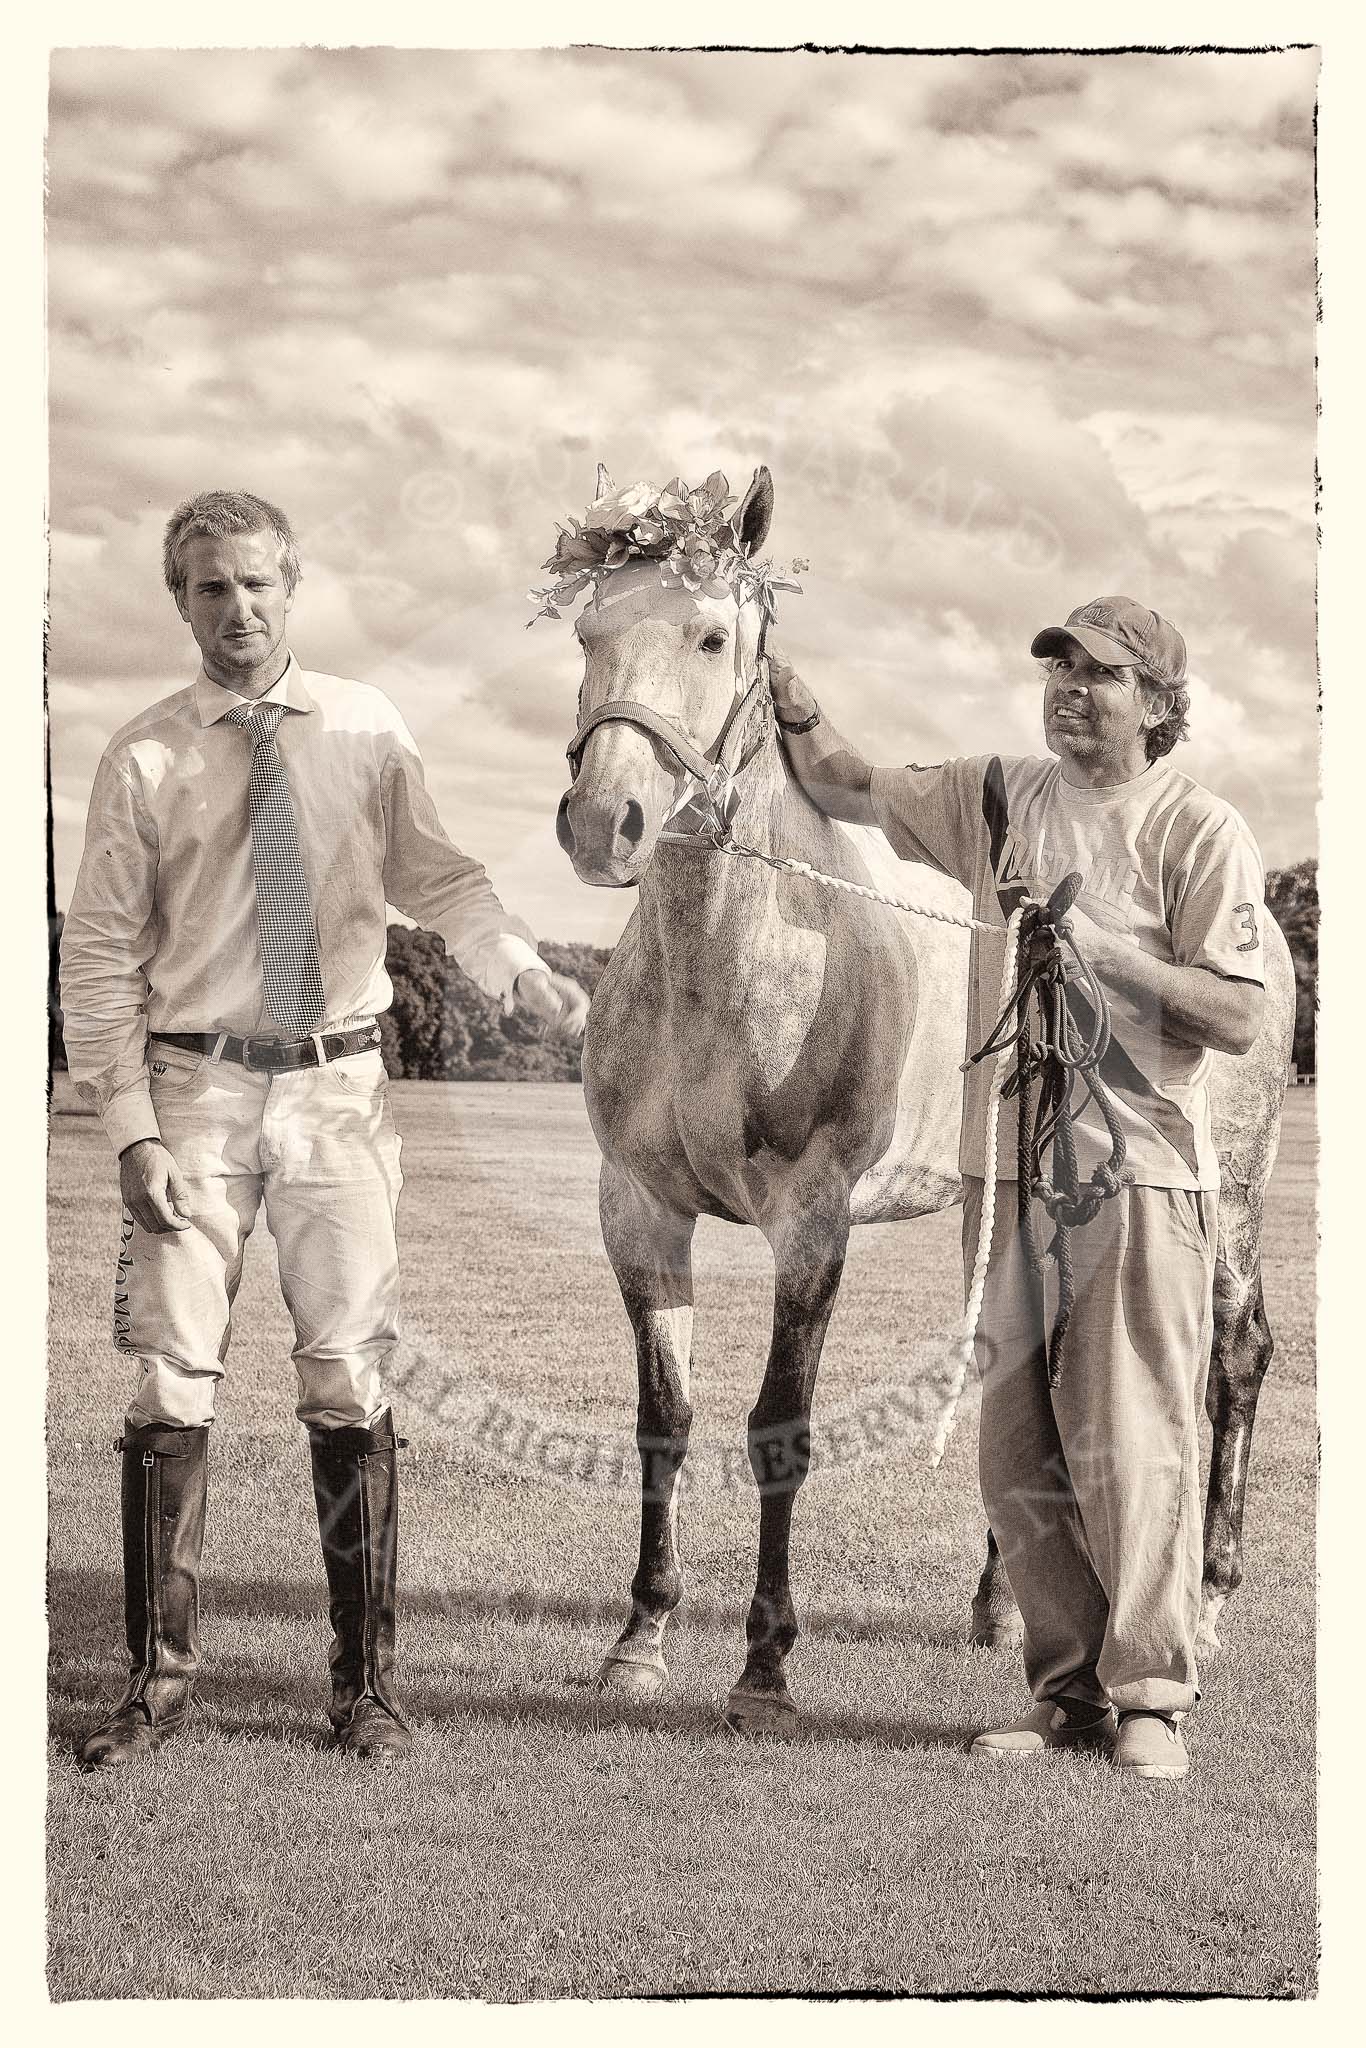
(222, 972)
(1092, 1490)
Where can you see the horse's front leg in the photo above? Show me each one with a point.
(650, 1247)
(809, 1245)
(1239, 1357)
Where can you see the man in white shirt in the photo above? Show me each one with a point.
(1092, 1487)
(222, 971)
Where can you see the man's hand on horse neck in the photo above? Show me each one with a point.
(834, 775)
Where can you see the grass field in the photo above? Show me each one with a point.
(543, 1841)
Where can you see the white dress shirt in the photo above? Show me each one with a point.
(161, 934)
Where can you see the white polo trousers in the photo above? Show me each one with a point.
(319, 1148)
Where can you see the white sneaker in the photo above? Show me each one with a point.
(1048, 1725)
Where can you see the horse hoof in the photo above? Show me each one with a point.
(629, 1676)
(760, 1713)
(1206, 1637)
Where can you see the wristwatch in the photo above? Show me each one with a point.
(802, 725)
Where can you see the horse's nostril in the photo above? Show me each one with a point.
(564, 831)
(631, 824)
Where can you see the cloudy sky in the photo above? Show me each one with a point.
(1011, 332)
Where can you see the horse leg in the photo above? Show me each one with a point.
(809, 1251)
(1239, 1356)
(996, 1620)
(650, 1247)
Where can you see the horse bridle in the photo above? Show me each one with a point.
(713, 770)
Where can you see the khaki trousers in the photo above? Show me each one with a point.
(1093, 1490)
(319, 1150)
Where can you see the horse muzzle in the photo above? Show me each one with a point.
(604, 841)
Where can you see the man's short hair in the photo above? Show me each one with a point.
(217, 514)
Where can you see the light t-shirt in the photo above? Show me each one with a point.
(1163, 862)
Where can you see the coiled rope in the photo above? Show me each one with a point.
(1053, 1056)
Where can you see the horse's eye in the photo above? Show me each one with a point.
(713, 642)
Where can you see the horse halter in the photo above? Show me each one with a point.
(714, 771)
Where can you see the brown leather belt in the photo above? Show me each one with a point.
(273, 1055)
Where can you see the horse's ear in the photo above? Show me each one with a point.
(604, 483)
(755, 514)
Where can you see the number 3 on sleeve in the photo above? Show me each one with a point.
(1247, 922)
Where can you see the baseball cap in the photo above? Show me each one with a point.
(1115, 630)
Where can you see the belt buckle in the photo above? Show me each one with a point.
(249, 1056)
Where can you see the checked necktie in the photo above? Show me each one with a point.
(284, 915)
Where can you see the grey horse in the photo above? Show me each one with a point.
(771, 1052)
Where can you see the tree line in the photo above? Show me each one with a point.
(441, 1028)
(1292, 897)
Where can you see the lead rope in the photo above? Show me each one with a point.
(785, 866)
(972, 1315)
(967, 1342)
(1058, 1054)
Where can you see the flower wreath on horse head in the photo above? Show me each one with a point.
(693, 535)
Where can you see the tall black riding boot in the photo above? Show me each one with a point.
(165, 1485)
(355, 1483)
